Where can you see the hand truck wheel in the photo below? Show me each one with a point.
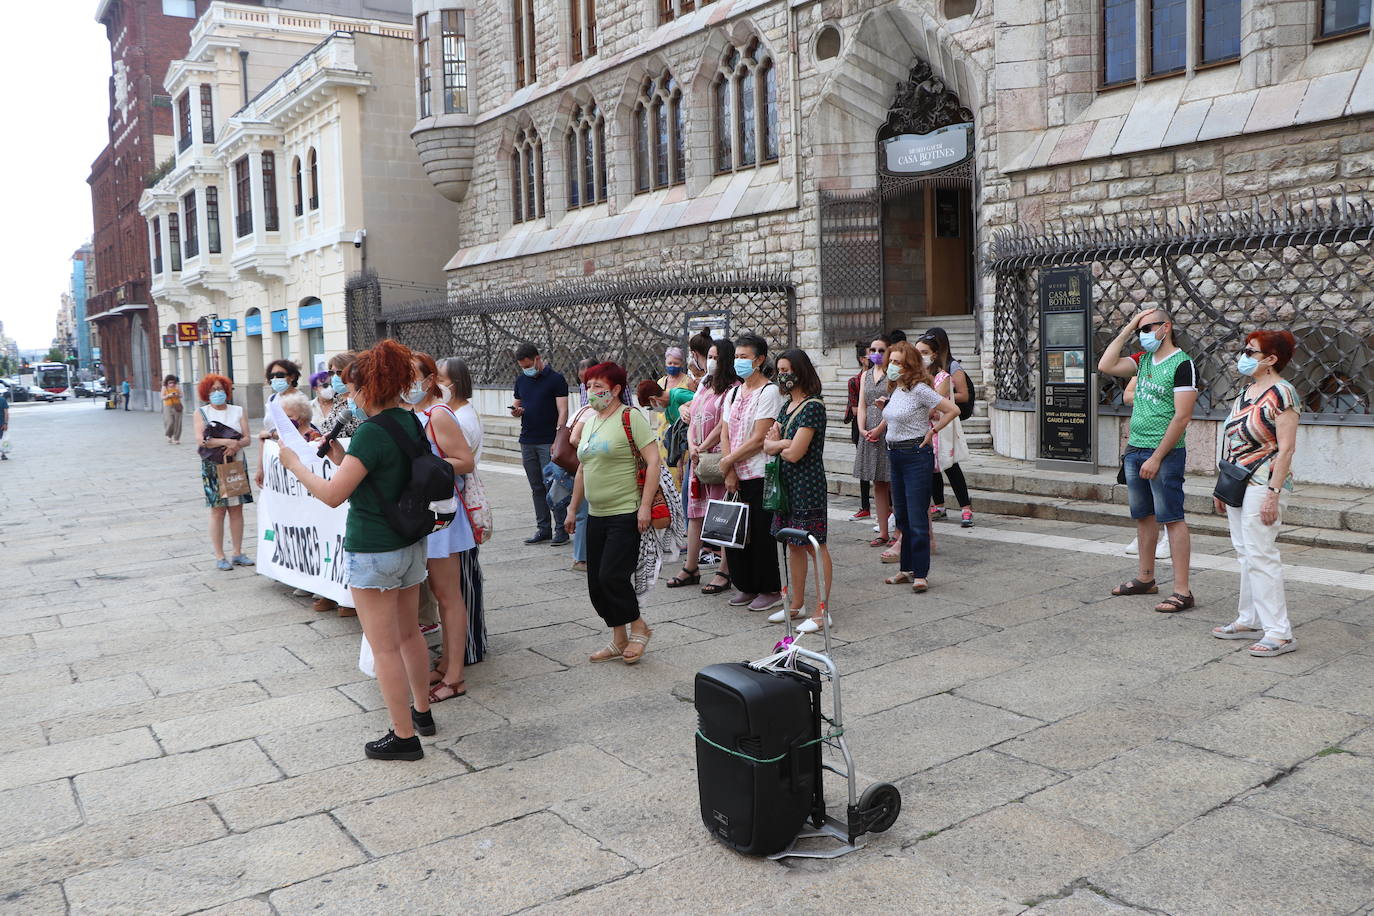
(879, 806)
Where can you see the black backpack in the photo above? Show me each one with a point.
(966, 409)
(428, 502)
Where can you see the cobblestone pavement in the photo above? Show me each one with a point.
(180, 739)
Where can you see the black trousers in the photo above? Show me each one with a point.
(612, 554)
(754, 567)
(956, 482)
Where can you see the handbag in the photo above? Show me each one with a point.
(726, 523)
(214, 429)
(474, 499)
(1233, 480)
(231, 478)
(708, 469)
(774, 493)
(660, 516)
(675, 443)
(563, 453)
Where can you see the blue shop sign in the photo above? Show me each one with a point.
(225, 327)
(252, 325)
(279, 321)
(312, 316)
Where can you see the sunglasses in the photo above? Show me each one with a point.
(1148, 328)
(876, 350)
(278, 375)
(1252, 352)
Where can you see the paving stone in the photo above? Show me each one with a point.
(1334, 793)
(54, 761)
(1143, 794)
(479, 872)
(1277, 732)
(251, 906)
(168, 781)
(857, 656)
(1087, 738)
(54, 702)
(963, 788)
(1059, 686)
(222, 669)
(1083, 903)
(35, 679)
(1208, 689)
(46, 900)
(1346, 684)
(1322, 874)
(222, 726)
(33, 812)
(899, 682)
(220, 871)
(414, 817)
(1021, 851)
(648, 822)
(1363, 743)
(100, 844)
(566, 692)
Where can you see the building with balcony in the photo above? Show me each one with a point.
(293, 171)
(821, 170)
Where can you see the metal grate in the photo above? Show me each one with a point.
(630, 321)
(1306, 265)
(851, 266)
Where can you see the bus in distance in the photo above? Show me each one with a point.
(54, 378)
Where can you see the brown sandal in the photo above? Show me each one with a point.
(1175, 603)
(454, 691)
(1135, 587)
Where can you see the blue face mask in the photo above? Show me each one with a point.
(415, 394)
(358, 413)
(337, 383)
(530, 371)
(218, 398)
(279, 385)
(1149, 342)
(673, 370)
(1247, 365)
(744, 367)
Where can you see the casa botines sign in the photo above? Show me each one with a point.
(913, 154)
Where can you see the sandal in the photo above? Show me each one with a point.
(920, 585)
(454, 691)
(608, 654)
(902, 578)
(642, 640)
(1267, 647)
(880, 541)
(1175, 603)
(685, 578)
(1234, 631)
(714, 588)
(1136, 587)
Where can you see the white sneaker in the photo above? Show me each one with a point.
(1133, 548)
(809, 625)
(1162, 551)
(780, 616)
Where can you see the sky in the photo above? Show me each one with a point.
(55, 67)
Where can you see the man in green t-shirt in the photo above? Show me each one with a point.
(1166, 390)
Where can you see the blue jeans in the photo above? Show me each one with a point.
(580, 537)
(533, 458)
(911, 469)
(1161, 496)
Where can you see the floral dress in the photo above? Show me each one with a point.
(804, 480)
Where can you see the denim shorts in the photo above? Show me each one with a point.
(390, 569)
(1161, 497)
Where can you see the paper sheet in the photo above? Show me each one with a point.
(288, 434)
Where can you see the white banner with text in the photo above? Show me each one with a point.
(300, 539)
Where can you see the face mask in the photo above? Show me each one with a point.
(530, 371)
(218, 398)
(358, 413)
(600, 400)
(927, 360)
(875, 358)
(1247, 365)
(1150, 342)
(673, 370)
(414, 394)
(711, 366)
(894, 371)
(327, 393)
(744, 367)
(446, 392)
(279, 385)
(786, 381)
(337, 383)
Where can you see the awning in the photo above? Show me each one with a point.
(129, 307)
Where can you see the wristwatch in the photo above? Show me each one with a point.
(1276, 490)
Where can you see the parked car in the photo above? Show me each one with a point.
(14, 392)
(38, 394)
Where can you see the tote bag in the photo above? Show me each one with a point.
(726, 523)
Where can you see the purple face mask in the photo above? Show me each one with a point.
(875, 358)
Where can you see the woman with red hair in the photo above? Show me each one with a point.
(385, 568)
(619, 509)
(222, 431)
(1261, 435)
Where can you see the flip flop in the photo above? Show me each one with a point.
(613, 652)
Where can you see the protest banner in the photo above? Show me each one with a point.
(300, 539)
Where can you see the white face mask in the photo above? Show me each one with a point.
(326, 393)
(446, 392)
(711, 366)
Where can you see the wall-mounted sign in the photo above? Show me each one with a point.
(280, 321)
(1068, 401)
(225, 327)
(252, 324)
(169, 340)
(915, 154)
(311, 316)
(187, 331)
(715, 324)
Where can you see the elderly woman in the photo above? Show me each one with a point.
(913, 412)
(322, 398)
(340, 423)
(282, 376)
(221, 428)
(620, 508)
(1261, 435)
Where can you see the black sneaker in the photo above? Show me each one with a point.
(393, 748)
(539, 538)
(561, 539)
(423, 721)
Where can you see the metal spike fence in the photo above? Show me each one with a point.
(630, 320)
(1300, 263)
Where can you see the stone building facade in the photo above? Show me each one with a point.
(1086, 114)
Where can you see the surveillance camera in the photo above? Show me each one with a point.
(358, 238)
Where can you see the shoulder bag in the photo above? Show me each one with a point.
(660, 516)
(775, 498)
(214, 429)
(563, 453)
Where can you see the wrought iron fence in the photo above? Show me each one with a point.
(630, 320)
(1306, 265)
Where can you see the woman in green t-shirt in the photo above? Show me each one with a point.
(384, 569)
(618, 512)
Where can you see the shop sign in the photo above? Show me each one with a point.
(187, 331)
(916, 154)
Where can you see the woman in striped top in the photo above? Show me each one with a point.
(1261, 434)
